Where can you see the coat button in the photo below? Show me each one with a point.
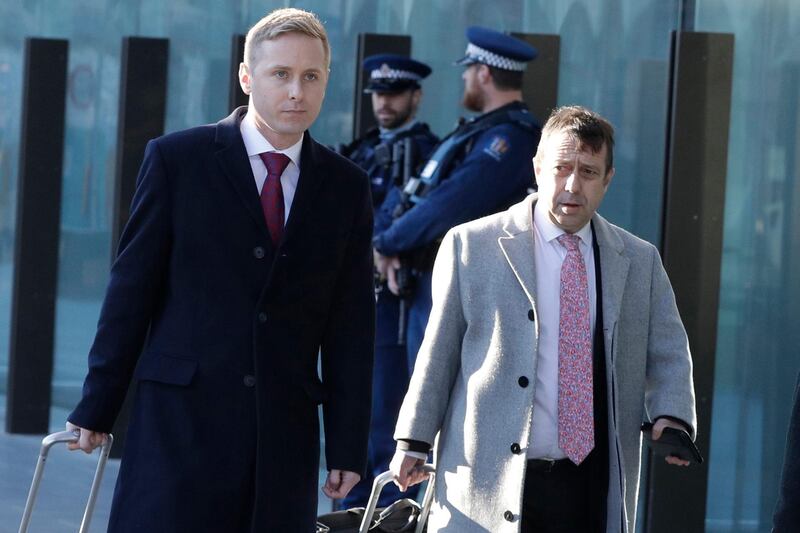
(515, 448)
(249, 381)
(530, 315)
(523, 381)
(509, 516)
(258, 252)
(262, 317)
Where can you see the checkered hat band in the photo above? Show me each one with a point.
(392, 74)
(493, 60)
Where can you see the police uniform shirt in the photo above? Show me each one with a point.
(386, 135)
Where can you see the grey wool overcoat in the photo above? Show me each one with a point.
(480, 340)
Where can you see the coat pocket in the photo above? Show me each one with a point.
(165, 369)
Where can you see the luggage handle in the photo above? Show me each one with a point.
(381, 481)
(47, 443)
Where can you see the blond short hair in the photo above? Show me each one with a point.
(282, 21)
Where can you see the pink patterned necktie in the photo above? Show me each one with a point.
(272, 193)
(575, 400)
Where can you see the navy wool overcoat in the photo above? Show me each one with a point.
(220, 332)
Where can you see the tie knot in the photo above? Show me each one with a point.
(569, 241)
(275, 162)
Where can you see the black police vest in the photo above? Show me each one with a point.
(360, 151)
(373, 154)
(441, 161)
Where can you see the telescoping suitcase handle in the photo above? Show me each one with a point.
(381, 481)
(47, 443)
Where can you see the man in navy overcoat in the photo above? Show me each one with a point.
(233, 275)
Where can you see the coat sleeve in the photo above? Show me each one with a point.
(135, 288)
(487, 181)
(669, 389)
(439, 358)
(384, 215)
(348, 345)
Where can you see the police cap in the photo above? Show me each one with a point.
(496, 49)
(389, 73)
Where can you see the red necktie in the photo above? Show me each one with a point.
(575, 390)
(272, 194)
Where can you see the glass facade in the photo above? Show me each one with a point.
(622, 74)
(758, 348)
(614, 58)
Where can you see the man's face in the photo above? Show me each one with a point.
(474, 98)
(286, 84)
(572, 179)
(392, 110)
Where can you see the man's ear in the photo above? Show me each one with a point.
(607, 179)
(416, 97)
(244, 78)
(484, 75)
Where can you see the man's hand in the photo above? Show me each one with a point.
(381, 263)
(406, 470)
(387, 267)
(339, 483)
(391, 275)
(658, 429)
(88, 439)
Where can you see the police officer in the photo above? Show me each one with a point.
(482, 167)
(394, 83)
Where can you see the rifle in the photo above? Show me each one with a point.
(400, 165)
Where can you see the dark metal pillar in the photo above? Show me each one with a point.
(33, 300)
(694, 199)
(540, 84)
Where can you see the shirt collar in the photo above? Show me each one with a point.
(550, 232)
(387, 133)
(255, 143)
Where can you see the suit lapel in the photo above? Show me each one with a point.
(311, 174)
(518, 248)
(614, 270)
(232, 157)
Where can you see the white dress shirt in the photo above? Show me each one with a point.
(549, 254)
(255, 144)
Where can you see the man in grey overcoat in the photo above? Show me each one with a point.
(554, 335)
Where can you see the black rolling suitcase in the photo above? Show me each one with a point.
(404, 515)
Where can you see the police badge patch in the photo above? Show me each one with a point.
(498, 147)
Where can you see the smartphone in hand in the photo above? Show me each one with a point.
(675, 442)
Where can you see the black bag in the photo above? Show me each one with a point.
(401, 516)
